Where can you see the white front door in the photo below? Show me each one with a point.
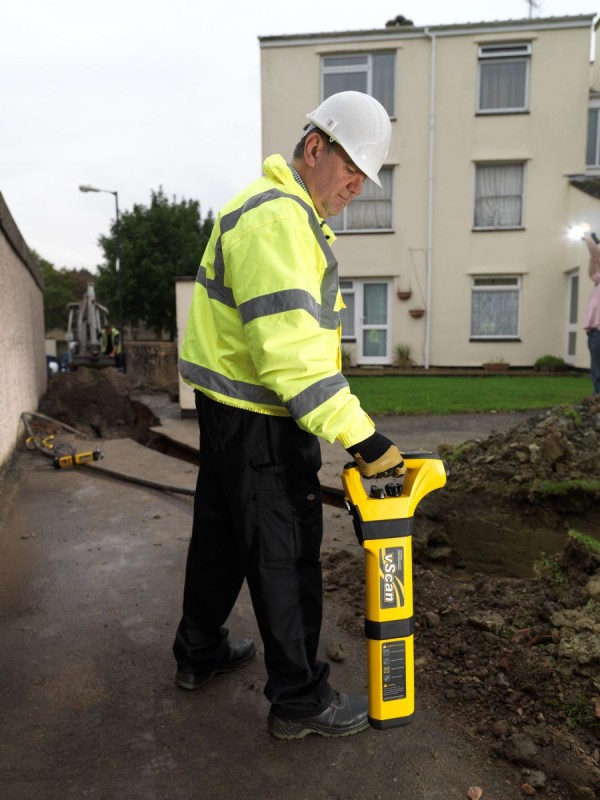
(373, 328)
(573, 295)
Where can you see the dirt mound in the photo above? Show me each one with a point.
(517, 660)
(539, 479)
(555, 446)
(96, 402)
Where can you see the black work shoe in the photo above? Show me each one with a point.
(241, 652)
(347, 714)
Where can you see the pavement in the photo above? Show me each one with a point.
(91, 574)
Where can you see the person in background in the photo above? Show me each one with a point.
(591, 322)
(262, 351)
(111, 344)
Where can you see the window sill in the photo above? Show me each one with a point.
(498, 230)
(495, 339)
(363, 231)
(500, 112)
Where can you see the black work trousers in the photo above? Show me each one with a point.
(257, 516)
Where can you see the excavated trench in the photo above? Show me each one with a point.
(483, 521)
(492, 539)
(497, 545)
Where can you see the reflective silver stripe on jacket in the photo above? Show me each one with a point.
(277, 301)
(300, 405)
(312, 397)
(214, 381)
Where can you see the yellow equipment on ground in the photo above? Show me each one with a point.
(73, 459)
(383, 521)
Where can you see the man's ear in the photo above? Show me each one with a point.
(313, 147)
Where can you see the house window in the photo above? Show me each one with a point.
(592, 150)
(370, 211)
(495, 307)
(348, 314)
(499, 196)
(371, 73)
(503, 78)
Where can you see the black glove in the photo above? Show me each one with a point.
(377, 457)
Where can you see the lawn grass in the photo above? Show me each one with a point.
(447, 395)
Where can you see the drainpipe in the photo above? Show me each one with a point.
(429, 251)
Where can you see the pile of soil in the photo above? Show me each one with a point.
(98, 403)
(553, 446)
(515, 660)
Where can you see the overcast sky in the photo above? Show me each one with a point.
(131, 95)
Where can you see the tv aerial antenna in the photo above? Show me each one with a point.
(533, 4)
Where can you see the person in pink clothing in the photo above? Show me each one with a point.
(591, 322)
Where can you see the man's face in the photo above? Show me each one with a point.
(335, 180)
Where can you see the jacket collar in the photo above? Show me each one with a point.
(278, 170)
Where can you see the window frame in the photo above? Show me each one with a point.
(594, 106)
(504, 53)
(499, 164)
(517, 286)
(367, 68)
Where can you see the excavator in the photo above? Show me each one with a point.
(84, 332)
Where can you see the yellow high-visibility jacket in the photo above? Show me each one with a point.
(263, 331)
(116, 340)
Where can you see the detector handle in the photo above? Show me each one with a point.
(425, 473)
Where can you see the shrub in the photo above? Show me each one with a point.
(550, 361)
(402, 351)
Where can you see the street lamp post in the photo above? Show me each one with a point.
(118, 267)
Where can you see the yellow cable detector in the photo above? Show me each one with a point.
(383, 521)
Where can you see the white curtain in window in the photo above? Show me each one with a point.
(347, 315)
(495, 313)
(375, 313)
(344, 82)
(374, 343)
(498, 195)
(375, 303)
(384, 67)
(502, 84)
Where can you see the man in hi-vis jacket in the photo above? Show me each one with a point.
(262, 351)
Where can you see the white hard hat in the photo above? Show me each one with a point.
(359, 124)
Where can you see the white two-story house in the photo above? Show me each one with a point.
(463, 254)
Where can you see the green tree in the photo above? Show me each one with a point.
(61, 286)
(158, 243)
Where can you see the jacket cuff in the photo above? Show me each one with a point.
(358, 434)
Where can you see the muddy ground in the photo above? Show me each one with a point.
(515, 660)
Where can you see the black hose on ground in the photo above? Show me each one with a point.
(140, 481)
(51, 452)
